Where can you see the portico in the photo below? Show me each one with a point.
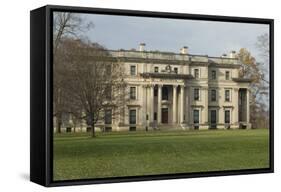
(166, 104)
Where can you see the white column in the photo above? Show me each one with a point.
(187, 105)
(144, 105)
(159, 112)
(174, 104)
(205, 91)
(235, 114)
(248, 106)
(151, 103)
(182, 105)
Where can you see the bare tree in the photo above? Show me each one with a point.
(258, 87)
(263, 46)
(95, 81)
(66, 25)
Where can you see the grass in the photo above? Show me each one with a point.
(78, 156)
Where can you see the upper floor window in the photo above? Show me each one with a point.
(156, 69)
(214, 74)
(196, 73)
(108, 70)
(227, 95)
(196, 94)
(227, 75)
(108, 92)
(133, 93)
(133, 70)
(176, 70)
(213, 95)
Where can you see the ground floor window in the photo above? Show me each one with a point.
(165, 115)
(196, 118)
(108, 129)
(213, 119)
(108, 116)
(89, 129)
(132, 128)
(227, 116)
(132, 119)
(68, 129)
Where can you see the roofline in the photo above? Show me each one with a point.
(242, 80)
(171, 53)
(167, 75)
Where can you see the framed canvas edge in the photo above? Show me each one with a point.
(49, 182)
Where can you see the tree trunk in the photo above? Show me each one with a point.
(93, 130)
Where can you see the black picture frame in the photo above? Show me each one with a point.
(41, 131)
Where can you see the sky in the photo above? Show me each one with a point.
(210, 38)
(202, 37)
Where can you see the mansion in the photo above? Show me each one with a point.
(169, 91)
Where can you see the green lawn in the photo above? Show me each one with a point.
(77, 156)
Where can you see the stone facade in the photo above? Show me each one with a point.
(181, 91)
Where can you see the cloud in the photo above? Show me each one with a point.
(202, 37)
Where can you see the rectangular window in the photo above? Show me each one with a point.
(108, 116)
(196, 73)
(196, 94)
(132, 117)
(133, 70)
(213, 95)
(108, 129)
(214, 74)
(133, 93)
(176, 70)
(227, 116)
(156, 69)
(196, 118)
(213, 119)
(227, 75)
(227, 95)
(108, 70)
(68, 129)
(108, 92)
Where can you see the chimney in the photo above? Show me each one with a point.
(232, 54)
(224, 55)
(184, 50)
(141, 46)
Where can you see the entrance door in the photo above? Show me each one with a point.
(165, 115)
(213, 119)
